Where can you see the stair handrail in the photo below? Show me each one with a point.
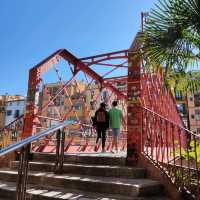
(24, 142)
(12, 122)
(24, 154)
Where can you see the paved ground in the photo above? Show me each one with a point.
(100, 154)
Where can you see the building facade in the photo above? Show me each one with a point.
(71, 103)
(189, 109)
(2, 110)
(11, 106)
(78, 101)
(194, 111)
(14, 109)
(182, 106)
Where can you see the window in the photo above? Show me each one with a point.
(197, 100)
(59, 101)
(52, 113)
(9, 112)
(66, 108)
(53, 90)
(92, 94)
(197, 114)
(198, 130)
(105, 94)
(84, 98)
(182, 108)
(76, 96)
(77, 106)
(92, 105)
(122, 89)
(2, 109)
(16, 113)
(10, 103)
(72, 118)
(191, 98)
(192, 116)
(121, 86)
(179, 95)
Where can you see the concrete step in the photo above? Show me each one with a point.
(8, 192)
(93, 170)
(116, 186)
(92, 158)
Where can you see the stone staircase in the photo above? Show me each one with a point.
(85, 177)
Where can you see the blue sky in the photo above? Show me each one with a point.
(30, 30)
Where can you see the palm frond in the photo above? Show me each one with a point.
(183, 82)
(172, 33)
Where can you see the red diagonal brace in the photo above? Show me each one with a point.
(45, 65)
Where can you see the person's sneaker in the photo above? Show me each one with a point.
(96, 148)
(112, 151)
(103, 151)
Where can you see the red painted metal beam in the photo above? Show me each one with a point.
(95, 62)
(107, 64)
(106, 55)
(47, 63)
(116, 79)
(35, 78)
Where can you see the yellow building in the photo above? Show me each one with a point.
(189, 107)
(194, 111)
(2, 111)
(72, 103)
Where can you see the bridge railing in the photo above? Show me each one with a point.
(79, 140)
(174, 149)
(11, 133)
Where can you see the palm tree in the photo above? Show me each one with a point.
(171, 39)
(172, 34)
(183, 81)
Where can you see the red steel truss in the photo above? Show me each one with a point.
(78, 65)
(144, 89)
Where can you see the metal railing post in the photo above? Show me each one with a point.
(60, 136)
(58, 133)
(23, 173)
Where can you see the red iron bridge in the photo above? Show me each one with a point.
(152, 128)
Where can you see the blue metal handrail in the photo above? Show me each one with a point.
(33, 138)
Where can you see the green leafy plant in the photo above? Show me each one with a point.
(192, 152)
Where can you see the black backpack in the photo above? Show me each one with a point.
(101, 117)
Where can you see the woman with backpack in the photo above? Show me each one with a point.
(101, 122)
